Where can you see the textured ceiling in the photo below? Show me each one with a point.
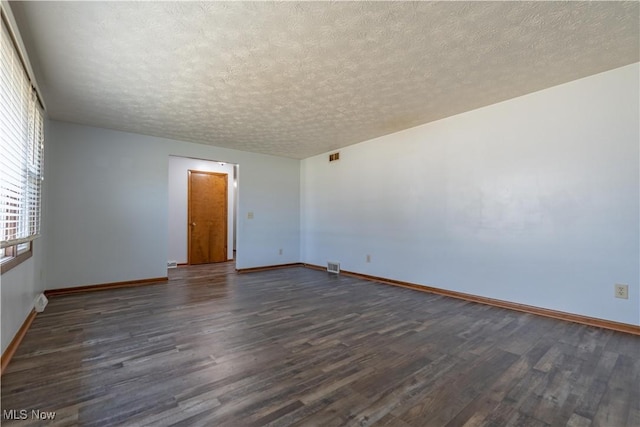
(298, 79)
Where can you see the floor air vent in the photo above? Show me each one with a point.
(333, 267)
(40, 303)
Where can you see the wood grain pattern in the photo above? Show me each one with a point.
(16, 260)
(295, 346)
(555, 314)
(207, 213)
(268, 267)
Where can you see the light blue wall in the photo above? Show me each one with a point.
(108, 205)
(533, 200)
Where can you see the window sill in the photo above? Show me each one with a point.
(15, 261)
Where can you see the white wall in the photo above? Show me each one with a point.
(108, 205)
(179, 203)
(19, 287)
(533, 200)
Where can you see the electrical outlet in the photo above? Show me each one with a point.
(280, 252)
(622, 291)
(250, 215)
(368, 258)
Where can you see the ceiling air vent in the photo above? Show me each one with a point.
(333, 157)
(333, 267)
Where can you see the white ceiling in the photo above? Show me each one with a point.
(299, 79)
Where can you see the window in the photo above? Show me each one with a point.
(21, 150)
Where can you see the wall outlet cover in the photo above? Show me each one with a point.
(621, 291)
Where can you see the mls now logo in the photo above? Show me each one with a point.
(23, 414)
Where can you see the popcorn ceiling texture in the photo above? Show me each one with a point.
(299, 79)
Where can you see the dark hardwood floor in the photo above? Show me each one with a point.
(299, 347)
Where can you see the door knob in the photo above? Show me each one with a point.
(193, 224)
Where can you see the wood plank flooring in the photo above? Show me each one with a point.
(297, 347)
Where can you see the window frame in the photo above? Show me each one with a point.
(17, 253)
(13, 256)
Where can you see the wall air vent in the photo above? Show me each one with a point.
(333, 157)
(172, 264)
(333, 267)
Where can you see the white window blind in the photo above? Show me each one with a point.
(21, 149)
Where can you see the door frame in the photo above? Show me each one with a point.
(226, 212)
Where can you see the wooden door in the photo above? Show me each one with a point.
(207, 228)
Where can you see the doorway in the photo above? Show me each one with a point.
(178, 205)
(207, 217)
